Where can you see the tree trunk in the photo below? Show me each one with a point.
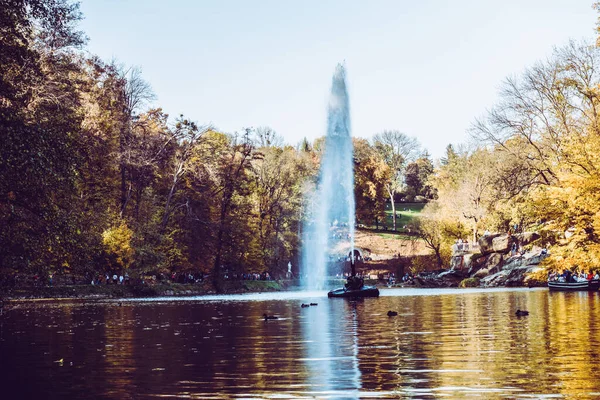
(438, 256)
(122, 168)
(176, 175)
(138, 200)
(165, 219)
(123, 190)
(393, 207)
(217, 270)
(217, 279)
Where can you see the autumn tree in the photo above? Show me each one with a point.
(39, 124)
(547, 121)
(466, 188)
(134, 93)
(371, 175)
(185, 137)
(435, 230)
(234, 163)
(277, 175)
(397, 150)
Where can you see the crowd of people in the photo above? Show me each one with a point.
(265, 276)
(183, 277)
(113, 279)
(464, 245)
(572, 277)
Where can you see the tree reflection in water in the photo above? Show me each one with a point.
(442, 343)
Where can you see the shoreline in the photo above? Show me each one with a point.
(176, 290)
(167, 289)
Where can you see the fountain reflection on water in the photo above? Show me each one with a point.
(332, 354)
(331, 219)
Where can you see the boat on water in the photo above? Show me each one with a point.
(355, 286)
(590, 285)
(365, 291)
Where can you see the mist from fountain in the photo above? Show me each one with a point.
(330, 220)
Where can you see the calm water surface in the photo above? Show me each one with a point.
(443, 343)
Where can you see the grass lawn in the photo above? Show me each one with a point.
(405, 212)
(395, 236)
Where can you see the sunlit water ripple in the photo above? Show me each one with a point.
(443, 343)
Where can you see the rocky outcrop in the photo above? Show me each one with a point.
(438, 279)
(489, 264)
(502, 242)
(494, 265)
(486, 244)
(527, 237)
(463, 261)
(509, 277)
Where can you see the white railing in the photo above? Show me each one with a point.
(465, 248)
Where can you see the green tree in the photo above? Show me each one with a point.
(416, 177)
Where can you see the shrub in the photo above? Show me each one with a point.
(117, 243)
(469, 282)
(537, 277)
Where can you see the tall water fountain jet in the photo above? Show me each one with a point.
(332, 212)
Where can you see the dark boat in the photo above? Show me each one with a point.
(592, 285)
(355, 287)
(365, 291)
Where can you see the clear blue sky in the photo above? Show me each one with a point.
(427, 68)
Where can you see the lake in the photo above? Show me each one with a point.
(443, 343)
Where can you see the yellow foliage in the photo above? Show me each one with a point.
(419, 264)
(538, 277)
(469, 283)
(572, 206)
(117, 241)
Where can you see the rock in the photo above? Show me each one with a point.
(569, 232)
(509, 277)
(533, 278)
(513, 262)
(530, 258)
(516, 277)
(494, 262)
(502, 242)
(456, 262)
(452, 275)
(485, 243)
(486, 265)
(494, 280)
(479, 261)
(527, 237)
(467, 260)
(462, 261)
(482, 273)
(447, 278)
(509, 271)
